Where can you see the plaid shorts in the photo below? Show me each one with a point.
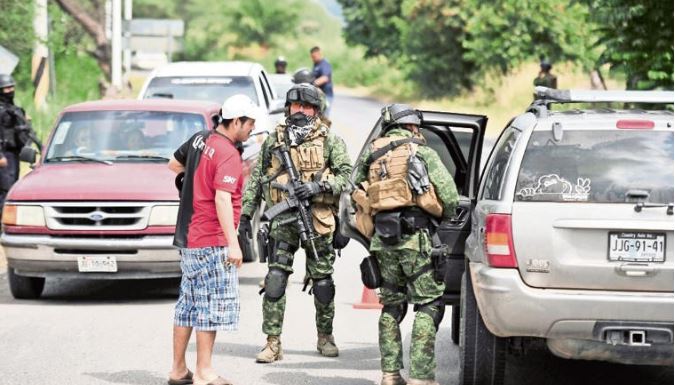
(209, 291)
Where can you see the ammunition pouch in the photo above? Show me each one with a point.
(265, 247)
(370, 273)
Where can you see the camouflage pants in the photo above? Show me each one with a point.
(273, 312)
(399, 266)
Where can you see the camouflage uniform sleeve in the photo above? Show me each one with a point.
(361, 169)
(253, 192)
(339, 163)
(442, 181)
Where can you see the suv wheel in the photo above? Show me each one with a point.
(482, 355)
(255, 227)
(25, 287)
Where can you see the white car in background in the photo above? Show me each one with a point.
(216, 81)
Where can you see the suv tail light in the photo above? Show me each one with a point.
(499, 241)
(634, 124)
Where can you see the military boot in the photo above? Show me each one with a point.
(415, 381)
(392, 378)
(271, 352)
(326, 345)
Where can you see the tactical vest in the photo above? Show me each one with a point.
(388, 187)
(310, 163)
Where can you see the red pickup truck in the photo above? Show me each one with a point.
(101, 203)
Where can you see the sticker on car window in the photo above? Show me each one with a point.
(555, 185)
(62, 132)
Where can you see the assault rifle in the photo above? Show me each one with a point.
(23, 127)
(292, 202)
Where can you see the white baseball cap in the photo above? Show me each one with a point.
(237, 106)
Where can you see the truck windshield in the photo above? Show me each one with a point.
(121, 136)
(214, 89)
(598, 166)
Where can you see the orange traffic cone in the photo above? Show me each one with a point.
(369, 300)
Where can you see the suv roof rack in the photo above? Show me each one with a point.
(544, 97)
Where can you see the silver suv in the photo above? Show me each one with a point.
(567, 240)
(572, 236)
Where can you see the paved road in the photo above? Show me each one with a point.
(119, 332)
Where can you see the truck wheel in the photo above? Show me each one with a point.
(25, 287)
(454, 331)
(482, 355)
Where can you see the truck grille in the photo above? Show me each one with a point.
(97, 215)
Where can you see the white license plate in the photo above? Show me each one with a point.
(637, 247)
(97, 264)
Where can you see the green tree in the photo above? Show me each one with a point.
(16, 34)
(637, 38)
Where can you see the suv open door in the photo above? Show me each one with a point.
(458, 140)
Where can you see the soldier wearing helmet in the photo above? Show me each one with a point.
(545, 78)
(15, 133)
(321, 159)
(280, 65)
(403, 191)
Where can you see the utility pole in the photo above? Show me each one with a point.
(40, 63)
(116, 64)
(128, 4)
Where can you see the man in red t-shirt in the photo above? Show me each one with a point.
(209, 291)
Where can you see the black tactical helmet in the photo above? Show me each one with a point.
(280, 61)
(545, 64)
(6, 81)
(306, 93)
(400, 114)
(303, 75)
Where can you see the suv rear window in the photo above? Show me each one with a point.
(597, 166)
(214, 89)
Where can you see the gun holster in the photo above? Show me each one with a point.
(264, 244)
(388, 227)
(370, 273)
(439, 258)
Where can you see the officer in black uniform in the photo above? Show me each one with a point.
(15, 133)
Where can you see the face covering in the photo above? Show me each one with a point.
(7, 97)
(300, 125)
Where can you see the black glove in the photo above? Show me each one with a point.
(245, 228)
(309, 189)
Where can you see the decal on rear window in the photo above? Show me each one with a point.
(556, 186)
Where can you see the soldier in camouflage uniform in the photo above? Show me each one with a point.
(404, 262)
(545, 78)
(321, 159)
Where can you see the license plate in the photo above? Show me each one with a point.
(637, 247)
(97, 264)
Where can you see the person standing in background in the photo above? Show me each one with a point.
(323, 77)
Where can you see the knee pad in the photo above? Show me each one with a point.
(275, 284)
(435, 309)
(398, 312)
(324, 290)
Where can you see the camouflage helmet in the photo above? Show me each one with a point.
(306, 93)
(303, 75)
(6, 81)
(400, 114)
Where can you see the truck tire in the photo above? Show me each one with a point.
(454, 331)
(25, 287)
(482, 355)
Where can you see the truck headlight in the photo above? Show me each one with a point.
(163, 216)
(17, 215)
